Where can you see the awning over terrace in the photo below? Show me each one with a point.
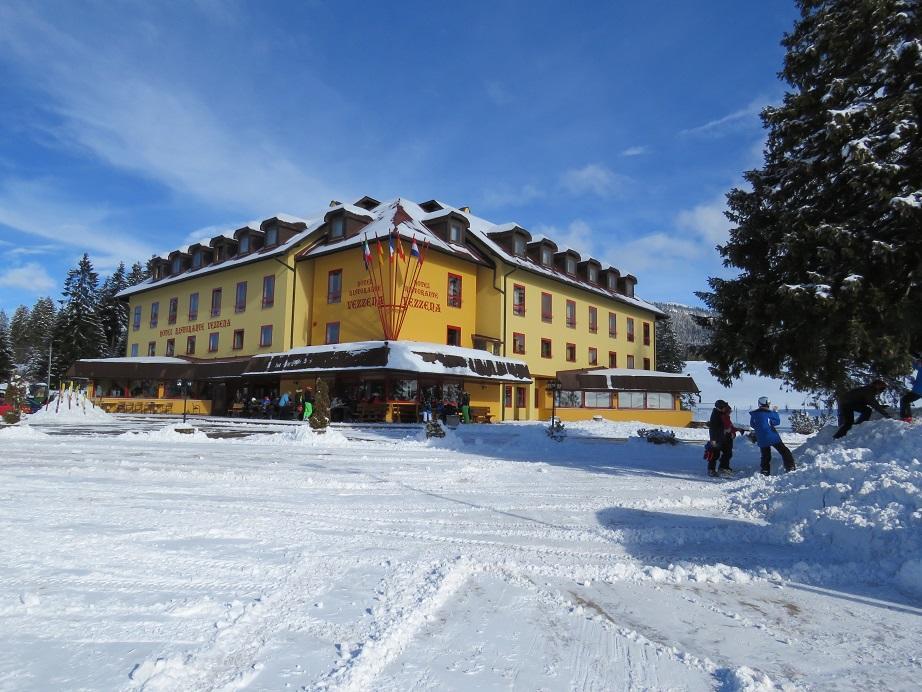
(393, 356)
(625, 380)
(157, 368)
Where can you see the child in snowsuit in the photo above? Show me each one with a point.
(763, 421)
(721, 431)
(860, 400)
(308, 405)
(915, 393)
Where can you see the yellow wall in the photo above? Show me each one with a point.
(679, 419)
(250, 320)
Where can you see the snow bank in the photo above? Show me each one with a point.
(302, 435)
(21, 432)
(168, 433)
(855, 501)
(69, 407)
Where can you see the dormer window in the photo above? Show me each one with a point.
(272, 237)
(612, 282)
(219, 253)
(177, 265)
(547, 258)
(593, 274)
(158, 273)
(337, 228)
(197, 260)
(244, 244)
(519, 246)
(571, 265)
(454, 233)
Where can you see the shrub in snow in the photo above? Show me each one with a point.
(14, 398)
(320, 418)
(556, 430)
(805, 424)
(658, 436)
(433, 429)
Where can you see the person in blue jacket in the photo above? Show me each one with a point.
(763, 421)
(916, 391)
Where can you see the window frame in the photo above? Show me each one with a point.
(612, 325)
(449, 329)
(154, 313)
(190, 342)
(646, 363)
(326, 332)
(216, 293)
(272, 237)
(613, 359)
(549, 315)
(518, 338)
(338, 228)
(630, 363)
(454, 302)
(216, 338)
(193, 315)
(244, 239)
(571, 352)
(593, 319)
(570, 322)
(455, 228)
(133, 350)
(337, 297)
(136, 318)
(268, 299)
(518, 308)
(629, 328)
(646, 333)
(234, 346)
(151, 349)
(238, 305)
(172, 310)
(170, 349)
(262, 331)
(550, 348)
(593, 355)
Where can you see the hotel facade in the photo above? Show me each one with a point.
(485, 312)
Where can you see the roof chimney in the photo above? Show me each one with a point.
(466, 210)
(335, 203)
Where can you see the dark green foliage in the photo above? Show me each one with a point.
(828, 239)
(78, 331)
(19, 333)
(15, 394)
(320, 418)
(668, 349)
(113, 312)
(40, 329)
(7, 361)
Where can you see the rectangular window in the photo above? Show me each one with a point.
(174, 308)
(152, 348)
(571, 314)
(520, 397)
(193, 307)
(272, 237)
(598, 399)
(547, 307)
(518, 300)
(507, 396)
(630, 362)
(569, 399)
(646, 363)
(630, 400)
(237, 343)
(660, 400)
(593, 355)
(213, 342)
(454, 290)
(244, 246)
(216, 302)
(646, 334)
(593, 319)
(134, 350)
(240, 299)
(613, 325)
(268, 291)
(454, 336)
(334, 286)
(612, 359)
(136, 321)
(154, 314)
(454, 233)
(190, 345)
(518, 343)
(265, 335)
(331, 334)
(337, 228)
(546, 348)
(170, 347)
(571, 353)
(630, 328)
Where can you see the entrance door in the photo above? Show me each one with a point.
(520, 412)
(219, 399)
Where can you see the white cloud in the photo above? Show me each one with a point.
(743, 117)
(112, 105)
(707, 221)
(593, 179)
(636, 151)
(505, 196)
(30, 277)
(656, 252)
(577, 236)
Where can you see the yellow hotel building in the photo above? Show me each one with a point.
(495, 315)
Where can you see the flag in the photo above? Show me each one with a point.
(414, 249)
(390, 247)
(380, 250)
(400, 252)
(366, 253)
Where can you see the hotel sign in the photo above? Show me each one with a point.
(424, 297)
(197, 327)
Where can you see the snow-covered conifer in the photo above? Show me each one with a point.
(78, 331)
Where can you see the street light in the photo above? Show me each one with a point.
(553, 386)
(184, 390)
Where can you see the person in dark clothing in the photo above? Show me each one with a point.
(860, 400)
(721, 431)
(763, 421)
(915, 393)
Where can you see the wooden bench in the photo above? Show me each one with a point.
(370, 413)
(481, 414)
(236, 410)
(405, 412)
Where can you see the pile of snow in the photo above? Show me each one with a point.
(302, 435)
(168, 433)
(21, 432)
(857, 502)
(69, 407)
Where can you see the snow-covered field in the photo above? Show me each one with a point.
(135, 557)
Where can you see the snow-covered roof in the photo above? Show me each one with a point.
(137, 359)
(403, 356)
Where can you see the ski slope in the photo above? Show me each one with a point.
(138, 558)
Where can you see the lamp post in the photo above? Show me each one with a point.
(184, 390)
(553, 386)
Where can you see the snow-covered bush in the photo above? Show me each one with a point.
(805, 424)
(658, 436)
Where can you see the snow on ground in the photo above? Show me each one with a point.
(66, 408)
(137, 557)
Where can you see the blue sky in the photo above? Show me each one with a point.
(129, 128)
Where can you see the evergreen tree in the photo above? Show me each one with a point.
(827, 240)
(78, 331)
(137, 274)
(7, 361)
(320, 418)
(19, 333)
(668, 349)
(40, 330)
(113, 312)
